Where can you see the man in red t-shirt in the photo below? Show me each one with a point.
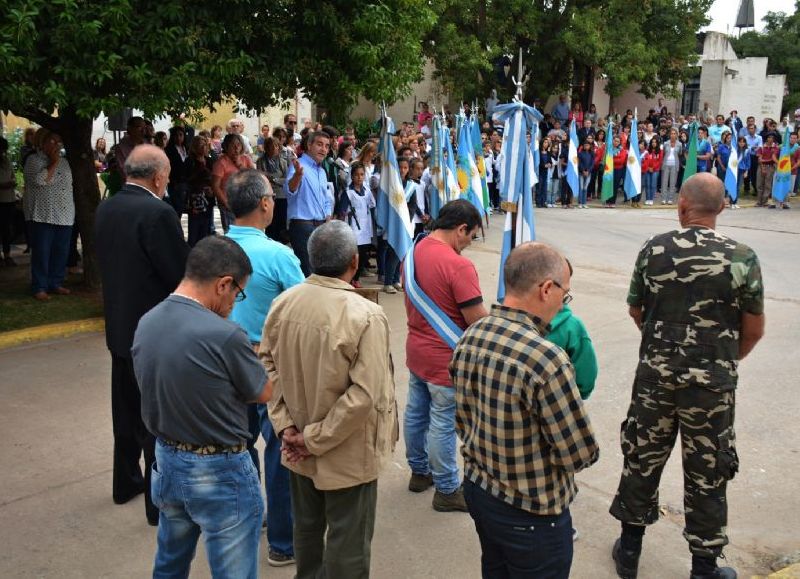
(451, 282)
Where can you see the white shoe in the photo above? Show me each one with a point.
(389, 289)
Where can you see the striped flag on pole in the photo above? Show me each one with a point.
(732, 175)
(572, 160)
(391, 209)
(783, 174)
(633, 172)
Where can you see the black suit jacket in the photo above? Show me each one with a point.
(142, 255)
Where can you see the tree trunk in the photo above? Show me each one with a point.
(76, 133)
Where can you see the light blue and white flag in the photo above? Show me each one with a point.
(732, 175)
(391, 210)
(438, 169)
(452, 188)
(572, 160)
(535, 151)
(516, 180)
(469, 178)
(782, 184)
(633, 172)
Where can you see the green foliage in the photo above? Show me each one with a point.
(646, 42)
(780, 42)
(15, 140)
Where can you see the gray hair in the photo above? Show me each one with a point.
(331, 248)
(145, 161)
(245, 189)
(531, 264)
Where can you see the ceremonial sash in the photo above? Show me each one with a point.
(411, 188)
(433, 314)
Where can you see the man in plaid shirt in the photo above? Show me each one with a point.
(524, 428)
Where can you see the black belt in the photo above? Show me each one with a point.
(314, 222)
(205, 448)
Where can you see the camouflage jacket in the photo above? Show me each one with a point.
(693, 285)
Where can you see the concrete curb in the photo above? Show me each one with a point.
(50, 332)
(790, 572)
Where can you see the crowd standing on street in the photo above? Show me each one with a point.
(218, 340)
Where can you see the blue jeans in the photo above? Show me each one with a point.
(49, 253)
(650, 185)
(429, 429)
(217, 495)
(583, 180)
(391, 272)
(278, 487)
(516, 543)
(298, 236)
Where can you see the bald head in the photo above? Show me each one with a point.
(530, 264)
(148, 166)
(703, 194)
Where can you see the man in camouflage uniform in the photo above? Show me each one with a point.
(697, 298)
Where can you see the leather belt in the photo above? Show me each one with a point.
(314, 222)
(205, 449)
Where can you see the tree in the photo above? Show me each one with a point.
(63, 62)
(645, 42)
(780, 42)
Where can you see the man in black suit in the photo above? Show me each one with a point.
(142, 255)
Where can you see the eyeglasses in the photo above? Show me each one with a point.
(567, 296)
(240, 295)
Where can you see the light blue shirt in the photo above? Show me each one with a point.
(753, 141)
(310, 201)
(715, 132)
(561, 112)
(275, 269)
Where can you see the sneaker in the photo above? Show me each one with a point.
(389, 289)
(398, 286)
(420, 482)
(663, 201)
(786, 206)
(276, 559)
(450, 503)
(575, 534)
(626, 562)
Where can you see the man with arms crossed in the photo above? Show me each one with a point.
(442, 284)
(697, 297)
(195, 389)
(520, 415)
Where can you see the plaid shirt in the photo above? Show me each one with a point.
(519, 413)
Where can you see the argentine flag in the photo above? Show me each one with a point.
(633, 173)
(438, 170)
(516, 181)
(477, 147)
(451, 184)
(732, 175)
(469, 178)
(783, 174)
(391, 209)
(535, 151)
(572, 160)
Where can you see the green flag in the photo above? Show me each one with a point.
(607, 192)
(691, 158)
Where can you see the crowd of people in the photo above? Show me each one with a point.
(218, 340)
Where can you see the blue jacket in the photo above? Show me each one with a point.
(585, 161)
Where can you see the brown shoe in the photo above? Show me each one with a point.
(62, 291)
(450, 503)
(420, 482)
(41, 296)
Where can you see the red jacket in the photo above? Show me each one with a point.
(655, 160)
(621, 158)
(599, 155)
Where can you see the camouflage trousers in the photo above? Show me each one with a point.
(704, 420)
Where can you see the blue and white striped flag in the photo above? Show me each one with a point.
(516, 181)
(438, 170)
(535, 152)
(633, 173)
(469, 178)
(732, 175)
(452, 189)
(572, 160)
(391, 209)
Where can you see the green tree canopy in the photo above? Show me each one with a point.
(63, 62)
(780, 42)
(645, 42)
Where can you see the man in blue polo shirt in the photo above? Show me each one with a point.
(309, 201)
(704, 151)
(275, 269)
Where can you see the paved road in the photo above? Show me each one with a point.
(57, 518)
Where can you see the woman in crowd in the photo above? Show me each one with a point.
(344, 158)
(8, 201)
(160, 140)
(683, 137)
(176, 153)
(585, 168)
(216, 141)
(274, 165)
(232, 160)
(367, 157)
(199, 196)
(722, 156)
(670, 164)
(592, 115)
(599, 162)
(745, 161)
(48, 180)
(655, 158)
(100, 155)
(285, 139)
(576, 114)
(620, 155)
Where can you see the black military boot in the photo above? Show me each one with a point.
(626, 560)
(706, 568)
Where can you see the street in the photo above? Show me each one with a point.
(57, 518)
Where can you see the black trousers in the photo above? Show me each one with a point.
(131, 438)
(7, 226)
(298, 235)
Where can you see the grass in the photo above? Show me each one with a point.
(19, 310)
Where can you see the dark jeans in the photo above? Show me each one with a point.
(494, 194)
(391, 271)
(277, 230)
(380, 255)
(49, 252)
(131, 438)
(619, 180)
(333, 529)
(199, 226)
(177, 198)
(226, 218)
(278, 487)
(7, 212)
(298, 235)
(363, 260)
(516, 543)
(254, 426)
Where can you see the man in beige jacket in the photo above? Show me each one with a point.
(326, 350)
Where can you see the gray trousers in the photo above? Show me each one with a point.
(669, 178)
(348, 516)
